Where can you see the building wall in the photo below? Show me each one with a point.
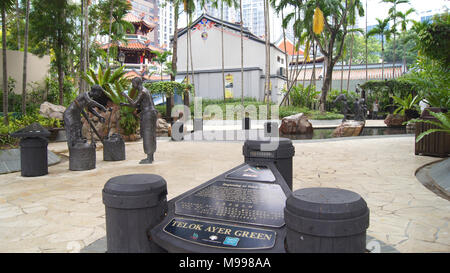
(207, 62)
(37, 69)
(207, 53)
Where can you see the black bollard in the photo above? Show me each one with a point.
(33, 150)
(113, 148)
(326, 220)
(271, 129)
(281, 156)
(134, 204)
(246, 123)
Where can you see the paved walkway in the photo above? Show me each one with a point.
(63, 211)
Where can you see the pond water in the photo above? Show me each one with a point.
(319, 133)
(324, 133)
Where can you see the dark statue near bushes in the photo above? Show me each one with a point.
(81, 153)
(72, 115)
(148, 116)
(359, 108)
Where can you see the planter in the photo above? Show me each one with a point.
(434, 144)
(410, 114)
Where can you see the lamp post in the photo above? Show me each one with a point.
(121, 58)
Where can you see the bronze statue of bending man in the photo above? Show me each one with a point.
(72, 115)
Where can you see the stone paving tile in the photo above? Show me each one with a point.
(63, 211)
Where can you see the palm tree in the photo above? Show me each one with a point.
(381, 29)
(25, 54)
(403, 24)
(393, 16)
(5, 6)
(161, 59)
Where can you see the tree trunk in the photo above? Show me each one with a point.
(223, 54)
(393, 63)
(267, 38)
(242, 54)
(18, 24)
(351, 61)
(109, 32)
(81, 63)
(190, 52)
(285, 52)
(175, 43)
(367, 48)
(86, 38)
(382, 58)
(25, 55)
(5, 74)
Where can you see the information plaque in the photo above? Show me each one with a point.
(220, 235)
(236, 201)
(252, 173)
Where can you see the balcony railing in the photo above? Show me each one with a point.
(140, 67)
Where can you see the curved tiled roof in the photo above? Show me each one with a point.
(130, 17)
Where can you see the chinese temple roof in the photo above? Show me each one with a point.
(130, 17)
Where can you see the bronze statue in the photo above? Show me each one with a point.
(344, 105)
(72, 115)
(148, 116)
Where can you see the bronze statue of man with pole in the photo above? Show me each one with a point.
(148, 117)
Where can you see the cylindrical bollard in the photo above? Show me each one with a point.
(326, 220)
(33, 156)
(82, 157)
(246, 123)
(271, 129)
(134, 204)
(113, 148)
(281, 156)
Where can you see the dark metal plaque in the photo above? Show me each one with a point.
(220, 235)
(252, 173)
(236, 201)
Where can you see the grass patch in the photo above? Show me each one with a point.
(284, 111)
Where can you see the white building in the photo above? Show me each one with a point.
(207, 61)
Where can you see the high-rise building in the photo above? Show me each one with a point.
(166, 23)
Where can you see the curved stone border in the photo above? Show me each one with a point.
(435, 176)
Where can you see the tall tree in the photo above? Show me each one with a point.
(5, 6)
(381, 28)
(51, 26)
(404, 27)
(330, 22)
(267, 88)
(25, 55)
(393, 16)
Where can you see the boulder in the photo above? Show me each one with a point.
(394, 120)
(162, 127)
(295, 125)
(349, 128)
(50, 110)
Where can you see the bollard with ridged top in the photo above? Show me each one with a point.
(326, 220)
(134, 204)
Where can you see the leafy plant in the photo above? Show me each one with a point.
(443, 124)
(408, 103)
(168, 88)
(113, 82)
